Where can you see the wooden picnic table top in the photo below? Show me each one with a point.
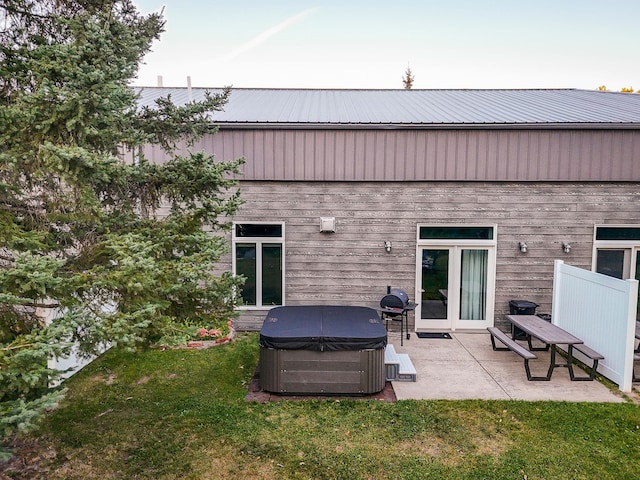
(543, 330)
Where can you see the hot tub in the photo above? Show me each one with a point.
(322, 350)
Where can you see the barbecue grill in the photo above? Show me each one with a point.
(395, 306)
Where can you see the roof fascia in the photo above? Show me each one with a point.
(415, 126)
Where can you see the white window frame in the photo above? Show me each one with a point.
(259, 241)
(631, 247)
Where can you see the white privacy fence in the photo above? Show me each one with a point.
(74, 361)
(601, 311)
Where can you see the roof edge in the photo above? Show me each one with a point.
(338, 89)
(425, 126)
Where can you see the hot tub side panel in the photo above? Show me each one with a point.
(329, 372)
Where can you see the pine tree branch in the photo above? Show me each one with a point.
(17, 347)
(40, 305)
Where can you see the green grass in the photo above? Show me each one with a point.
(180, 414)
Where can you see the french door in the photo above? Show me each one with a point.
(455, 287)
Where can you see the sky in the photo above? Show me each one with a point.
(370, 44)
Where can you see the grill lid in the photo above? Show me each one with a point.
(396, 298)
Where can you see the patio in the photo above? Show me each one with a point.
(466, 367)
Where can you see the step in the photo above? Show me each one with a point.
(407, 372)
(390, 355)
(391, 363)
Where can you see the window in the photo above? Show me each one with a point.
(628, 234)
(616, 252)
(258, 254)
(451, 233)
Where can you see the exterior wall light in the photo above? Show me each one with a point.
(566, 248)
(387, 246)
(523, 247)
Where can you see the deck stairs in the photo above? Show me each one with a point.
(398, 366)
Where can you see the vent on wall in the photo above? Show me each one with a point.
(327, 224)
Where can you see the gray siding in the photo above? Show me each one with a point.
(428, 155)
(351, 267)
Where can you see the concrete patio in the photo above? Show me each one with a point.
(466, 367)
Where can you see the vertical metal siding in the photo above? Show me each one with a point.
(360, 161)
(415, 155)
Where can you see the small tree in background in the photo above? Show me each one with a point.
(84, 258)
(603, 88)
(407, 80)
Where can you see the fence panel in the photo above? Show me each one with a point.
(600, 310)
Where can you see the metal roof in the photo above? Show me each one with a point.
(302, 108)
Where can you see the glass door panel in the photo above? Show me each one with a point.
(473, 285)
(435, 284)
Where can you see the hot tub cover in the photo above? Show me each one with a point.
(321, 328)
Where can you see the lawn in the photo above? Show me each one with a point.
(181, 414)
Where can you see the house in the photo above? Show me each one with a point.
(462, 198)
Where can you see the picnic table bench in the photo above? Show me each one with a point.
(593, 355)
(516, 348)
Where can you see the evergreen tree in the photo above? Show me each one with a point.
(407, 80)
(84, 256)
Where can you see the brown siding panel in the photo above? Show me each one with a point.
(420, 155)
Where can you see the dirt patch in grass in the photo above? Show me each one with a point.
(27, 461)
(472, 434)
(225, 463)
(38, 460)
(110, 379)
(633, 395)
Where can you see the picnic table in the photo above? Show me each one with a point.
(549, 334)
